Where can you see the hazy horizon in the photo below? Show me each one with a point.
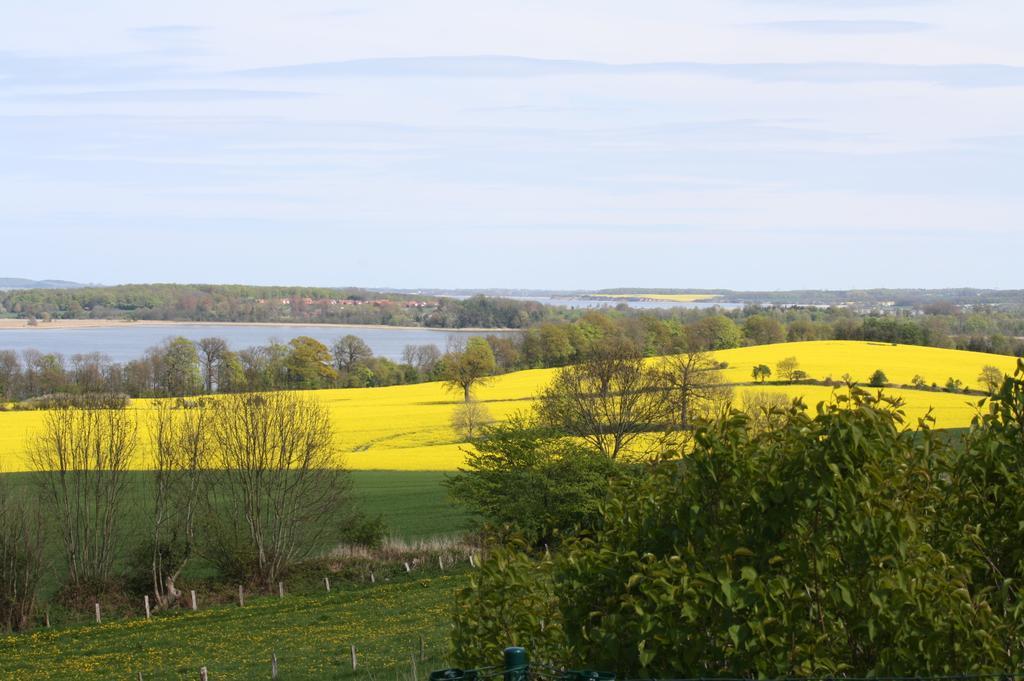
(738, 144)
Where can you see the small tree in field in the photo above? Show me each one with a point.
(991, 379)
(786, 367)
(878, 379)
(468, 368)
(610, 400)
(761, 372)
(694, 388)
(469, 417)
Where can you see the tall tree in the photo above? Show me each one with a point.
(309, 363)
(276, 489)
(695, 388)
(181, 447)
(81, 456)
(176, 368)
(349, 352)
(760, 329)
(211, 353)
(10, 374)
(610, 400)
(470, 367)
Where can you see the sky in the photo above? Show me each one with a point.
(563, 144)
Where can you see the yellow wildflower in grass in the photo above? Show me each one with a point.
(408, 427)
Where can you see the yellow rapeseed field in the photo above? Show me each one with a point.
(668, 297)
(407, 427)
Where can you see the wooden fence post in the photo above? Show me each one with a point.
(422, 650)
(373, 580)
(280, 589)
(273, 665)
(146, 601)
(140, 676)
(440, 563)
(195, 605)
(353, 658)
(327, 584)
(407, 568)
(98, 619)
(203, 676)
(47, 617)
(241, 596)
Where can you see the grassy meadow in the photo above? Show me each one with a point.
(407, 427)
(310, 634)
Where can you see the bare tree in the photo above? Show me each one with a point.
(469, 417)
(766, 410)
(276, 487)
(21, 559)
(991, 379)
(10, 374)
(786, 368)
(89, 371)
(610, 400)
(695, 388)
(81, 456)
(211, 353)
(349, 352)
(423, 357)
(181, 452)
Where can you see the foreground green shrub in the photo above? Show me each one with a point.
(523, 478)
(837, 542)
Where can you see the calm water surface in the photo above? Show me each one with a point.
(130, 342)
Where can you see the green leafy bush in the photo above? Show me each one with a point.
(524, 479)
(838, 542)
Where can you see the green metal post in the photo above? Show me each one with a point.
(515, 664)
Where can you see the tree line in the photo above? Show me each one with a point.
(232, 303)
(180, 367)
(832, 541)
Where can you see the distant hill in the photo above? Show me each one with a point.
(12, 283)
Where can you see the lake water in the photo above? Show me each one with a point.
(125, 343)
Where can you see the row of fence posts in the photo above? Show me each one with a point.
(241, 592)
(204, 672)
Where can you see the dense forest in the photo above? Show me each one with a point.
(233, 303)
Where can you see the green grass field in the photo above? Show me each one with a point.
(310, 634)
(413, 505)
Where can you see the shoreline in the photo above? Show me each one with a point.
(16, 324)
